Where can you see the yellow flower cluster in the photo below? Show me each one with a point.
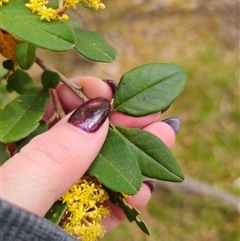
(95, 4)
(3, 1)
(85, 210)
(40, 7)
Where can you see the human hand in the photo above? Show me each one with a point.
(48, 166)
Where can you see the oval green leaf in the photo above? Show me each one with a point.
(93, 46)
(153, 156)
(116, 166)
(21, 116)
(25, 54)
(50, 79)
(8, 64)
(18, 20)
(149, 88)
(20, 81)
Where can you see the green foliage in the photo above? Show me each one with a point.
(40, 129)
(25, 54)
(149, 88)
(50, 79)
(93, 46)
(56, 212)
(130, 212)
(21, 116)
(116, 166)
(8, 65)
(20, 81)
(5, 155)
(128, 153)
(16, 19)
(154, 157)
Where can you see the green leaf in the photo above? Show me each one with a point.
(154, 157)
(21, 116)
(8, 64)
(130, 212)
(25, 54)
(5, 155)
(50, 79)
(149, 88)
(20, 81)
(18, 20)
(93, 46)
(56, 212)
(116, 167)
(42, 128)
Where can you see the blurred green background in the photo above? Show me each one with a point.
(202, 36)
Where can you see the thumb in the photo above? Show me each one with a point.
(46, 168)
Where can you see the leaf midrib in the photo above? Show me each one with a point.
(138, 93)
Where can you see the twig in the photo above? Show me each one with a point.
(71, 85)
(60, 4)
(58, 105)
(196, 187)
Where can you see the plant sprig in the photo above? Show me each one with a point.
(128, 153)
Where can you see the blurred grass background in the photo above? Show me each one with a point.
(203, 37)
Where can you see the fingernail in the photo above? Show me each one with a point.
(91, 115)
(112, 83)
(174, 123)
(152, 185)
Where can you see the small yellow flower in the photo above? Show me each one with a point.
(71, 3)
(85, 210)
(3, 1)
(64, 17)
(95, 4)
(40, 7)
(47, 13)
(36, 5)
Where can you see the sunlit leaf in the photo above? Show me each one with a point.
(93, 46)
(116, 166)
(18, 20)
(149, 88)
(21, 116)
(154, 157)
(50, 79)
(56, 212)
(20, 81)
(25, 54)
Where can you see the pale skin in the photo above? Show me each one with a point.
(47, 167)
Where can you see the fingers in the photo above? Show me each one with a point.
(125, 120)
(92, 87)
(117, 215)
(47, 167)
